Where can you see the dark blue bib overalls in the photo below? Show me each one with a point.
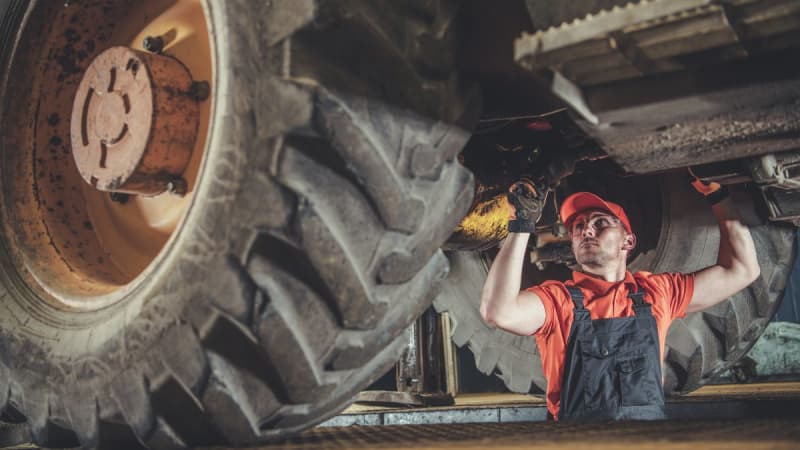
(612, 368)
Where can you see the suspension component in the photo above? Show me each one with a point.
(778, 176)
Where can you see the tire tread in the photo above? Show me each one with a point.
(278, 343)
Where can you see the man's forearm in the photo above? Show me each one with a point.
(737, 264)
(736, 247)
(505, 276)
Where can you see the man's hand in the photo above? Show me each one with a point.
(712, 191)
(737, 262)
(526, 207)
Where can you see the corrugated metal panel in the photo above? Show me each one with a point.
(659, 36)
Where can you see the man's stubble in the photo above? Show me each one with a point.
(594, 256)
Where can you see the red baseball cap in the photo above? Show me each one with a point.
(581, 201)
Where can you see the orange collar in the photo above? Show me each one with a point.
(600, 286)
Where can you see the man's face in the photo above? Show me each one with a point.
(597, 238)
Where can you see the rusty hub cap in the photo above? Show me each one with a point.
(134, 122)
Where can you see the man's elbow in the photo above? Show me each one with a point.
(753, 273)
(492, 315)
(488, 316)
(747, 274)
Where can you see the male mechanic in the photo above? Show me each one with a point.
(601, 335)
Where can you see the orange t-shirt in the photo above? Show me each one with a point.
(668, 293)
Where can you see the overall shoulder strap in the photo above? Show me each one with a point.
(577, 299)
(638, 300)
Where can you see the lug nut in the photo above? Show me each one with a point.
(200, 90)
(177, 186)
(154, 44)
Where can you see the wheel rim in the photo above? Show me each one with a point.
(78, 247)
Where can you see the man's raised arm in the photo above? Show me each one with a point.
(737, 263)
(502, 303)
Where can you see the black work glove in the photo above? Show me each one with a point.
(526, 207)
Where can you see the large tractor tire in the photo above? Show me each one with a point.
(309, 241)
(699, 346)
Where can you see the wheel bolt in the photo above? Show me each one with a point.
(200, 90)
(154, 44)
(177, 186)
